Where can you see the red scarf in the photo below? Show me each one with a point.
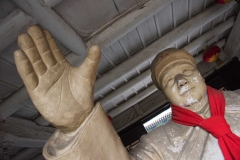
(215, 125)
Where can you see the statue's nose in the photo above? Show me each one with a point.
(181, 81)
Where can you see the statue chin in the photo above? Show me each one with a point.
(196, 105)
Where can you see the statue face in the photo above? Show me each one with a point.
(183, 85)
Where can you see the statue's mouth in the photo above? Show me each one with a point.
(187, 92)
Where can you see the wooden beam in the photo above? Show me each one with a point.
(232, 47)
(50, 20)
(12, 26)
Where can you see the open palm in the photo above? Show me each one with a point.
(63, 94)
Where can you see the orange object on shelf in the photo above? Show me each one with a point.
(211, 54)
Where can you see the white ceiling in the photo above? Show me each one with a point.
(129, 32)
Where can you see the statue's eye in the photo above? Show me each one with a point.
(184, 70)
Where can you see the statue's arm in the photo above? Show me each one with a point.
(232, 99)
(94, 139)
(147, 150)
(63, 94)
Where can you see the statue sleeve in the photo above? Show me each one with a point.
(146, 150)
(232, 99)
(94, 139)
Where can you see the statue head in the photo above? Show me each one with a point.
(174, 72)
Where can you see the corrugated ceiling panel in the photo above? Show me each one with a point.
(194, 35)
(180, 11)
(5, 90)
(106, 91)
(138, 87)
(132, 42)
(116, 53)
(7, 53)
(148, 31)
(219, 19)
(108, 106)
(164, 19)
(233, 10)
(86, 16)
(206, 27)
(224, 34)
(117, 100)
(104, 65)
(124, 5)
(119, 82)
(182, 42)
(212, 41)
(128, 94)
(143, 67)
(9, 74)
(131, 74)
(6, 8)
(196, 6)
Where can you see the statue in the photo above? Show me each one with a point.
(64, 96)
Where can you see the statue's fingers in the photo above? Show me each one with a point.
(26, 43)
(89, 67)
(42, 45)
(25, 70)
(53, 46)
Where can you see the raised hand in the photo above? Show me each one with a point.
(63, 94)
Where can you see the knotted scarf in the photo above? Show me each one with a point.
(215, 125)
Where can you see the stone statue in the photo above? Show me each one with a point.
(64, 96)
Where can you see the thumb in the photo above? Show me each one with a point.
(89, 67)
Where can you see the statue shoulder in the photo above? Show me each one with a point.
(165, 134)
(232, 99)
(160, 142)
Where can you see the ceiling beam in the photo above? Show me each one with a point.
(148, 53)
(233, 42)
(11, 26)
(50, 20)
(13, 103)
